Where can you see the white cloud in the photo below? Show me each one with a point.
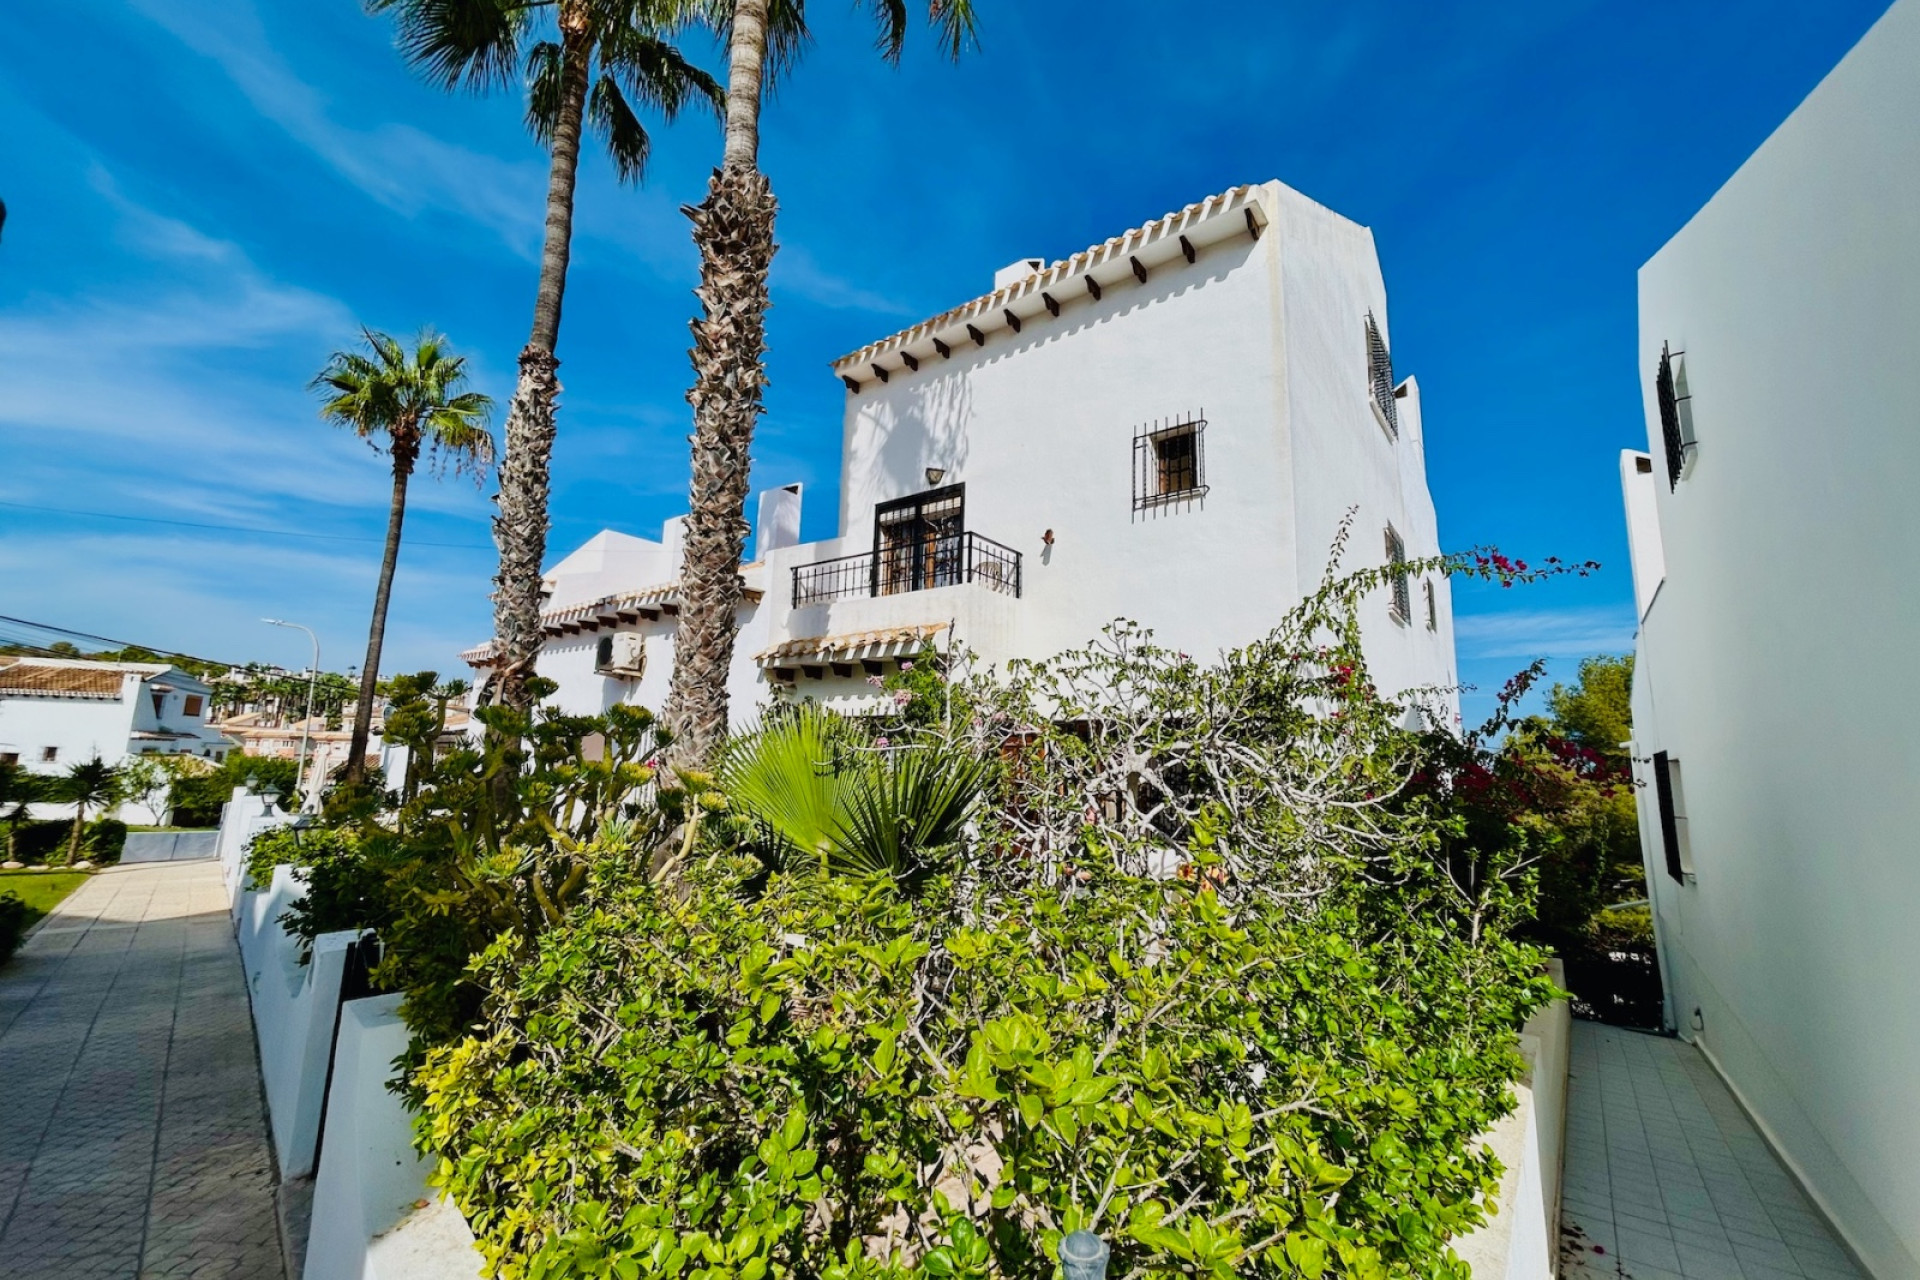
(404, 168)
(1547, 633)
(795, 270)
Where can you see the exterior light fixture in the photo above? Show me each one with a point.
(936, 474)
(1047, 537)
(1083, 1256)
(253, 784)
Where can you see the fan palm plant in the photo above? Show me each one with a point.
(90, 784)
(733, 228)
(410, 401)
(825, 797)
(595, 65)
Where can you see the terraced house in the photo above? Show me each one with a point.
(1169, 427)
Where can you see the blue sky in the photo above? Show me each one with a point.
(208, 196)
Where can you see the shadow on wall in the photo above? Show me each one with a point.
(931, 429)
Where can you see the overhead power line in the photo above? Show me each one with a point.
(241, 528)
(9, 636)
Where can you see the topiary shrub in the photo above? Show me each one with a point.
(105, 841)
(13, 923)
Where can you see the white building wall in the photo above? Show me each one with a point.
(77, 728)
(1777, 661)
(1267, 338)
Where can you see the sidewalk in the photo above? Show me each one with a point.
(132, 1140)
(1666, 1179)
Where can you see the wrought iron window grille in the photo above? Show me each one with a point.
(1380, 380)
(1170, 462)
(1397, 577)
(1676, 413)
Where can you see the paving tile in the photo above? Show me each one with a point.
(1707, 1264)
(132, 1142)
(1649, 1248)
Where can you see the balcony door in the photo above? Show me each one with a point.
(919, 542)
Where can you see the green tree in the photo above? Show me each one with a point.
(1597, 710)
(413, 401)
(733, 228)
(90, 784)
(587, 62)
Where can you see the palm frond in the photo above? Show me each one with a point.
(543, 90)
(786, 775)
(627, 141)
(653, 72)
(955, 25)
(891, 17)
(472, 44)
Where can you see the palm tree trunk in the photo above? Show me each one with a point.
(520, 529)
(79, 825)
(734, 229)
(405, 449)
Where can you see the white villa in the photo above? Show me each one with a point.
(1776, 732)
(1168, 427)
(57, 712)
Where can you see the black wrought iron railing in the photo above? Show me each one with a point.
(941, 561)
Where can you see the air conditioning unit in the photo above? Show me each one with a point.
(623, 653)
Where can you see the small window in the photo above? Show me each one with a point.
(1676, 414)
(1433, 609)
(1397, 577)
(49, 754)
(9, 757)
(159, 703)
(192, 705)
(1672, 799)
(1169, 462)
(1380, 380)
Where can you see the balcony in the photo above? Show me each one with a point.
(949, 560)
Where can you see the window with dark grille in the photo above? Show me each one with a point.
(919, 542)
(1673, 815)
(1676, 412)
(1433, 610)
(1169, 462)
(1380, 379)
(1402, 588)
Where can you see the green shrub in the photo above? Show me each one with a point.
(105, 840)
(197, 798)
(40, 840)
(1213, 974)
(13, 923)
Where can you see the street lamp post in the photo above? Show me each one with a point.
(306, 721)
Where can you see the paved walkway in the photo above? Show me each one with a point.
(132, 1139)
(1666, 1178)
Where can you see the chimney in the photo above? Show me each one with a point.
(779, 522)
(1017, 272)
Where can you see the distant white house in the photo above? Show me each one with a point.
(57, 712)
(1775, 704)
(1168, 427)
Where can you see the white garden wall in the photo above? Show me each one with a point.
(373, 1215)
(294, 1008)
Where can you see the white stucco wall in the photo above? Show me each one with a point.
(80, 728)
(1267, 339)
(1777, 661)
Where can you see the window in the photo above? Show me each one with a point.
(9, 757)
(159, 703)
(1676, 414)
(191, 705)
(1169, 462)
(920, 542)
(1380, 380)
(1433, 609)
(1397, 577)
(1673, 816)
(49, 754)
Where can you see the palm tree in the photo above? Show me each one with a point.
(414, 400)
(18, 790)
(733, 227)
(478, 44)
(91, 784)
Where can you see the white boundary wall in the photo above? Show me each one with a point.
(294, 1009)
(373, 1216)
(1522, 1241)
